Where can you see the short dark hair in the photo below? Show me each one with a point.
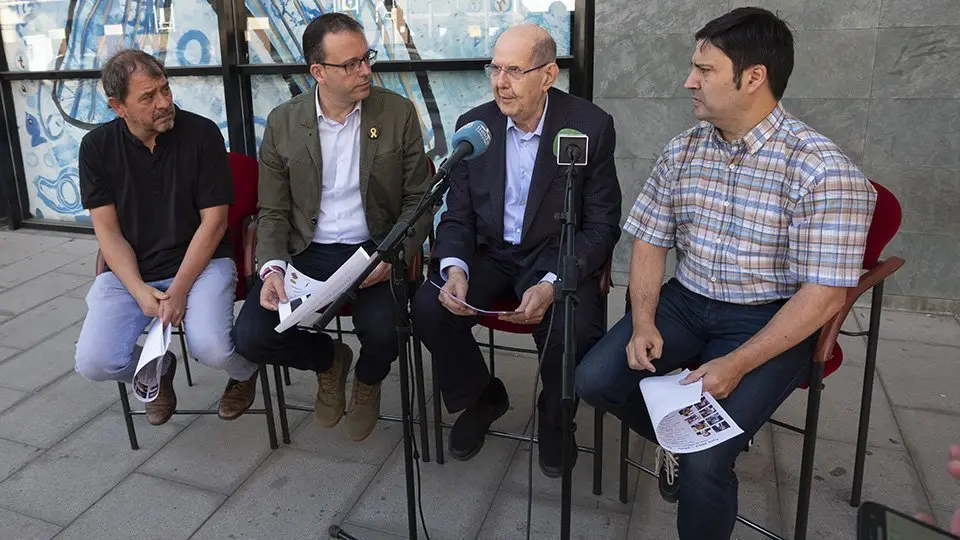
(328, 23)
(116, 72)
(544, 51)
(752, 36)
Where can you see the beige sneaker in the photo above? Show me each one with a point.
(332, 387)
(363, 411)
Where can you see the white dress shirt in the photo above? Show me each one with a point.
(521, 156)
(342, 219)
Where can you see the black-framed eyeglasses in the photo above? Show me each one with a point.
(514, 72)
(352, 66)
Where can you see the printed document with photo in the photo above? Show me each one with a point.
(146, 378)
(307, 297)
(685, 419)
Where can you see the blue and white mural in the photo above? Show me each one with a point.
(82, 34)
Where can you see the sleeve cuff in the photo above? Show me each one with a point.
(447, 262)
(550, 277)
(274, 265)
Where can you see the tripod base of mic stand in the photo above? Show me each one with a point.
(336, 532)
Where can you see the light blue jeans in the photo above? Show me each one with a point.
(107, 349)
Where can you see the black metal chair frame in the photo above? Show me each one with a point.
(809, 431)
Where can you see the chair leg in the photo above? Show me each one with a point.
(421, 399)
(268, 407)
(186, 357)
(281, 405)
(493, 363)
(597, 451)
(437, 411)
(286, 376)
(127, 417)
(809, 449)
(866, 400)
(624, 453)
(339, 330)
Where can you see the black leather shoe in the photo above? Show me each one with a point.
(550, 439)
(470, 429)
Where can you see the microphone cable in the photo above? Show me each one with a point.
(536, 385)
(413, 393)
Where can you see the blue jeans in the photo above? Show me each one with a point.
(695, 330)
(107, 349)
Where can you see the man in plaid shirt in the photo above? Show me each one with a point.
(769, 219)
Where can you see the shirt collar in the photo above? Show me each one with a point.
(754, 139)
(539, 130)
(316, 99)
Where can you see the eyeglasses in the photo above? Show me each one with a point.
(353, 66)
(514, 72)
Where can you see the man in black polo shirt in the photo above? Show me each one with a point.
(157, 182)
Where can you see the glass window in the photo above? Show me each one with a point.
(440, 97)
(61, 34)
(410, 29)
(53, 117)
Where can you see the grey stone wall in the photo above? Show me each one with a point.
(879, 77)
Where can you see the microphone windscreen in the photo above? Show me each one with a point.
(477, 134)
(564, 131)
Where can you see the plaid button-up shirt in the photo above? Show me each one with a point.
(755, 218)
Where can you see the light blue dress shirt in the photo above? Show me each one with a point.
(521, 157)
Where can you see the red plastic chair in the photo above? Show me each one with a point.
(827, 358)
(282, 376)
(245, 198)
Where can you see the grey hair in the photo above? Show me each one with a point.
(116, 72)
(544, 51)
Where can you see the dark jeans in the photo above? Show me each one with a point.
(695, 330)
(461, 368)
(374, 319)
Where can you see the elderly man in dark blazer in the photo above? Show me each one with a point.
(499, 238)
(339, 166)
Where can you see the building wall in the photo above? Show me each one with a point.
(879, 77)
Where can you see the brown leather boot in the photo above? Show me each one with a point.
(363, 411)
(237, 397)
(162, 407)
(332, 387)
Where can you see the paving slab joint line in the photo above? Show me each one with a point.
(379, 469)
(68, 435)
(19, 513)
(503, 478)
(906, 447)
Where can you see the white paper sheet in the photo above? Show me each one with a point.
(304, 310)
(464, 303)
(684, 418)
(146, 378)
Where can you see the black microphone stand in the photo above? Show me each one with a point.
(568, 277)
(391, 250)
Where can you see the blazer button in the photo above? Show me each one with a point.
(313, 221)
(292, 251)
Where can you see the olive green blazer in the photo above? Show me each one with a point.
(394, 172)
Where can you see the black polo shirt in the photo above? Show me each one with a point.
(158, 195)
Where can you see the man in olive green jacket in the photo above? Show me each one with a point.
(339, 167)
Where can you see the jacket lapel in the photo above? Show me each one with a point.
(370, 133)
(307, 112)
(545, 168)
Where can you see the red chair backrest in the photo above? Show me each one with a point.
(883, 227)
(886, 222)
(245, 174)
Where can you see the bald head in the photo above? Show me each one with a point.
(538, 43)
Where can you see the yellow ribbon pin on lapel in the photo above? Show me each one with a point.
(373, 133)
